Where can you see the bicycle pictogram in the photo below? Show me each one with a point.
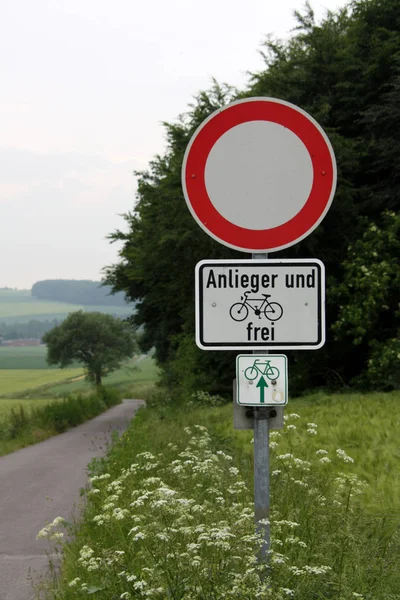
(262, 367)
(239, 311)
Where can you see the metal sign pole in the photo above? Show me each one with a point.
(261, 468)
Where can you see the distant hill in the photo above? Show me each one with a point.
(76, 291)
(24, 316)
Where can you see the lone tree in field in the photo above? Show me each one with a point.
(99, 341)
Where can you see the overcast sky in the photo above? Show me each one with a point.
(85, 85)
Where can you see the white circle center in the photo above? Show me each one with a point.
(259, 175)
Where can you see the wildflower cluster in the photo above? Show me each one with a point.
(50, 531)
(180, 524)
(180, 527)
(206, 399)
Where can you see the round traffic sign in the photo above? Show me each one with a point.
(259, 175)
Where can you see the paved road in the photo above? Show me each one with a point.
(40, 483)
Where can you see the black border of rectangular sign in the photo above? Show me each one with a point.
(256, 345)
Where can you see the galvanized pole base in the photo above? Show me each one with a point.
(261, 478)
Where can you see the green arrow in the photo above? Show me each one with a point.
(262, 384)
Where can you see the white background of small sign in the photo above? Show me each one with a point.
(247, 391)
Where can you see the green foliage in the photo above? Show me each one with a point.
(163, 243)
(77, 292)
(345, 73)
(204, 399)
(369, 301)
(100, 342)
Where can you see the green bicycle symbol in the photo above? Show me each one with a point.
(264, 368)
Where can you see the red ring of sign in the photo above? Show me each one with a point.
(256, 239)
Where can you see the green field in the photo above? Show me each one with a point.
(21, 381)
(139, 370)
(19, 306)
(23, 357)
(58, 382)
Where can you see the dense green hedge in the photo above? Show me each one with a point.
(345, 72)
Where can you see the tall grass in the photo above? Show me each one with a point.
(170, 516)
(22, 427)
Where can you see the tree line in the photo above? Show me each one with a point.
(24, 331)
(345, 72)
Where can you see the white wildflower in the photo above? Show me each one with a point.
(286, 456)
(317, 570)
(43, 533)
(86, 552)
(345, 457)
(139, 585)
(278, 559)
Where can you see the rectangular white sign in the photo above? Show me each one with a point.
(261, 379)
(252, 304)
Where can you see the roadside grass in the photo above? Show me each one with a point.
(36, 421)
(6, 405)
(21, 382)
(170, 512)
